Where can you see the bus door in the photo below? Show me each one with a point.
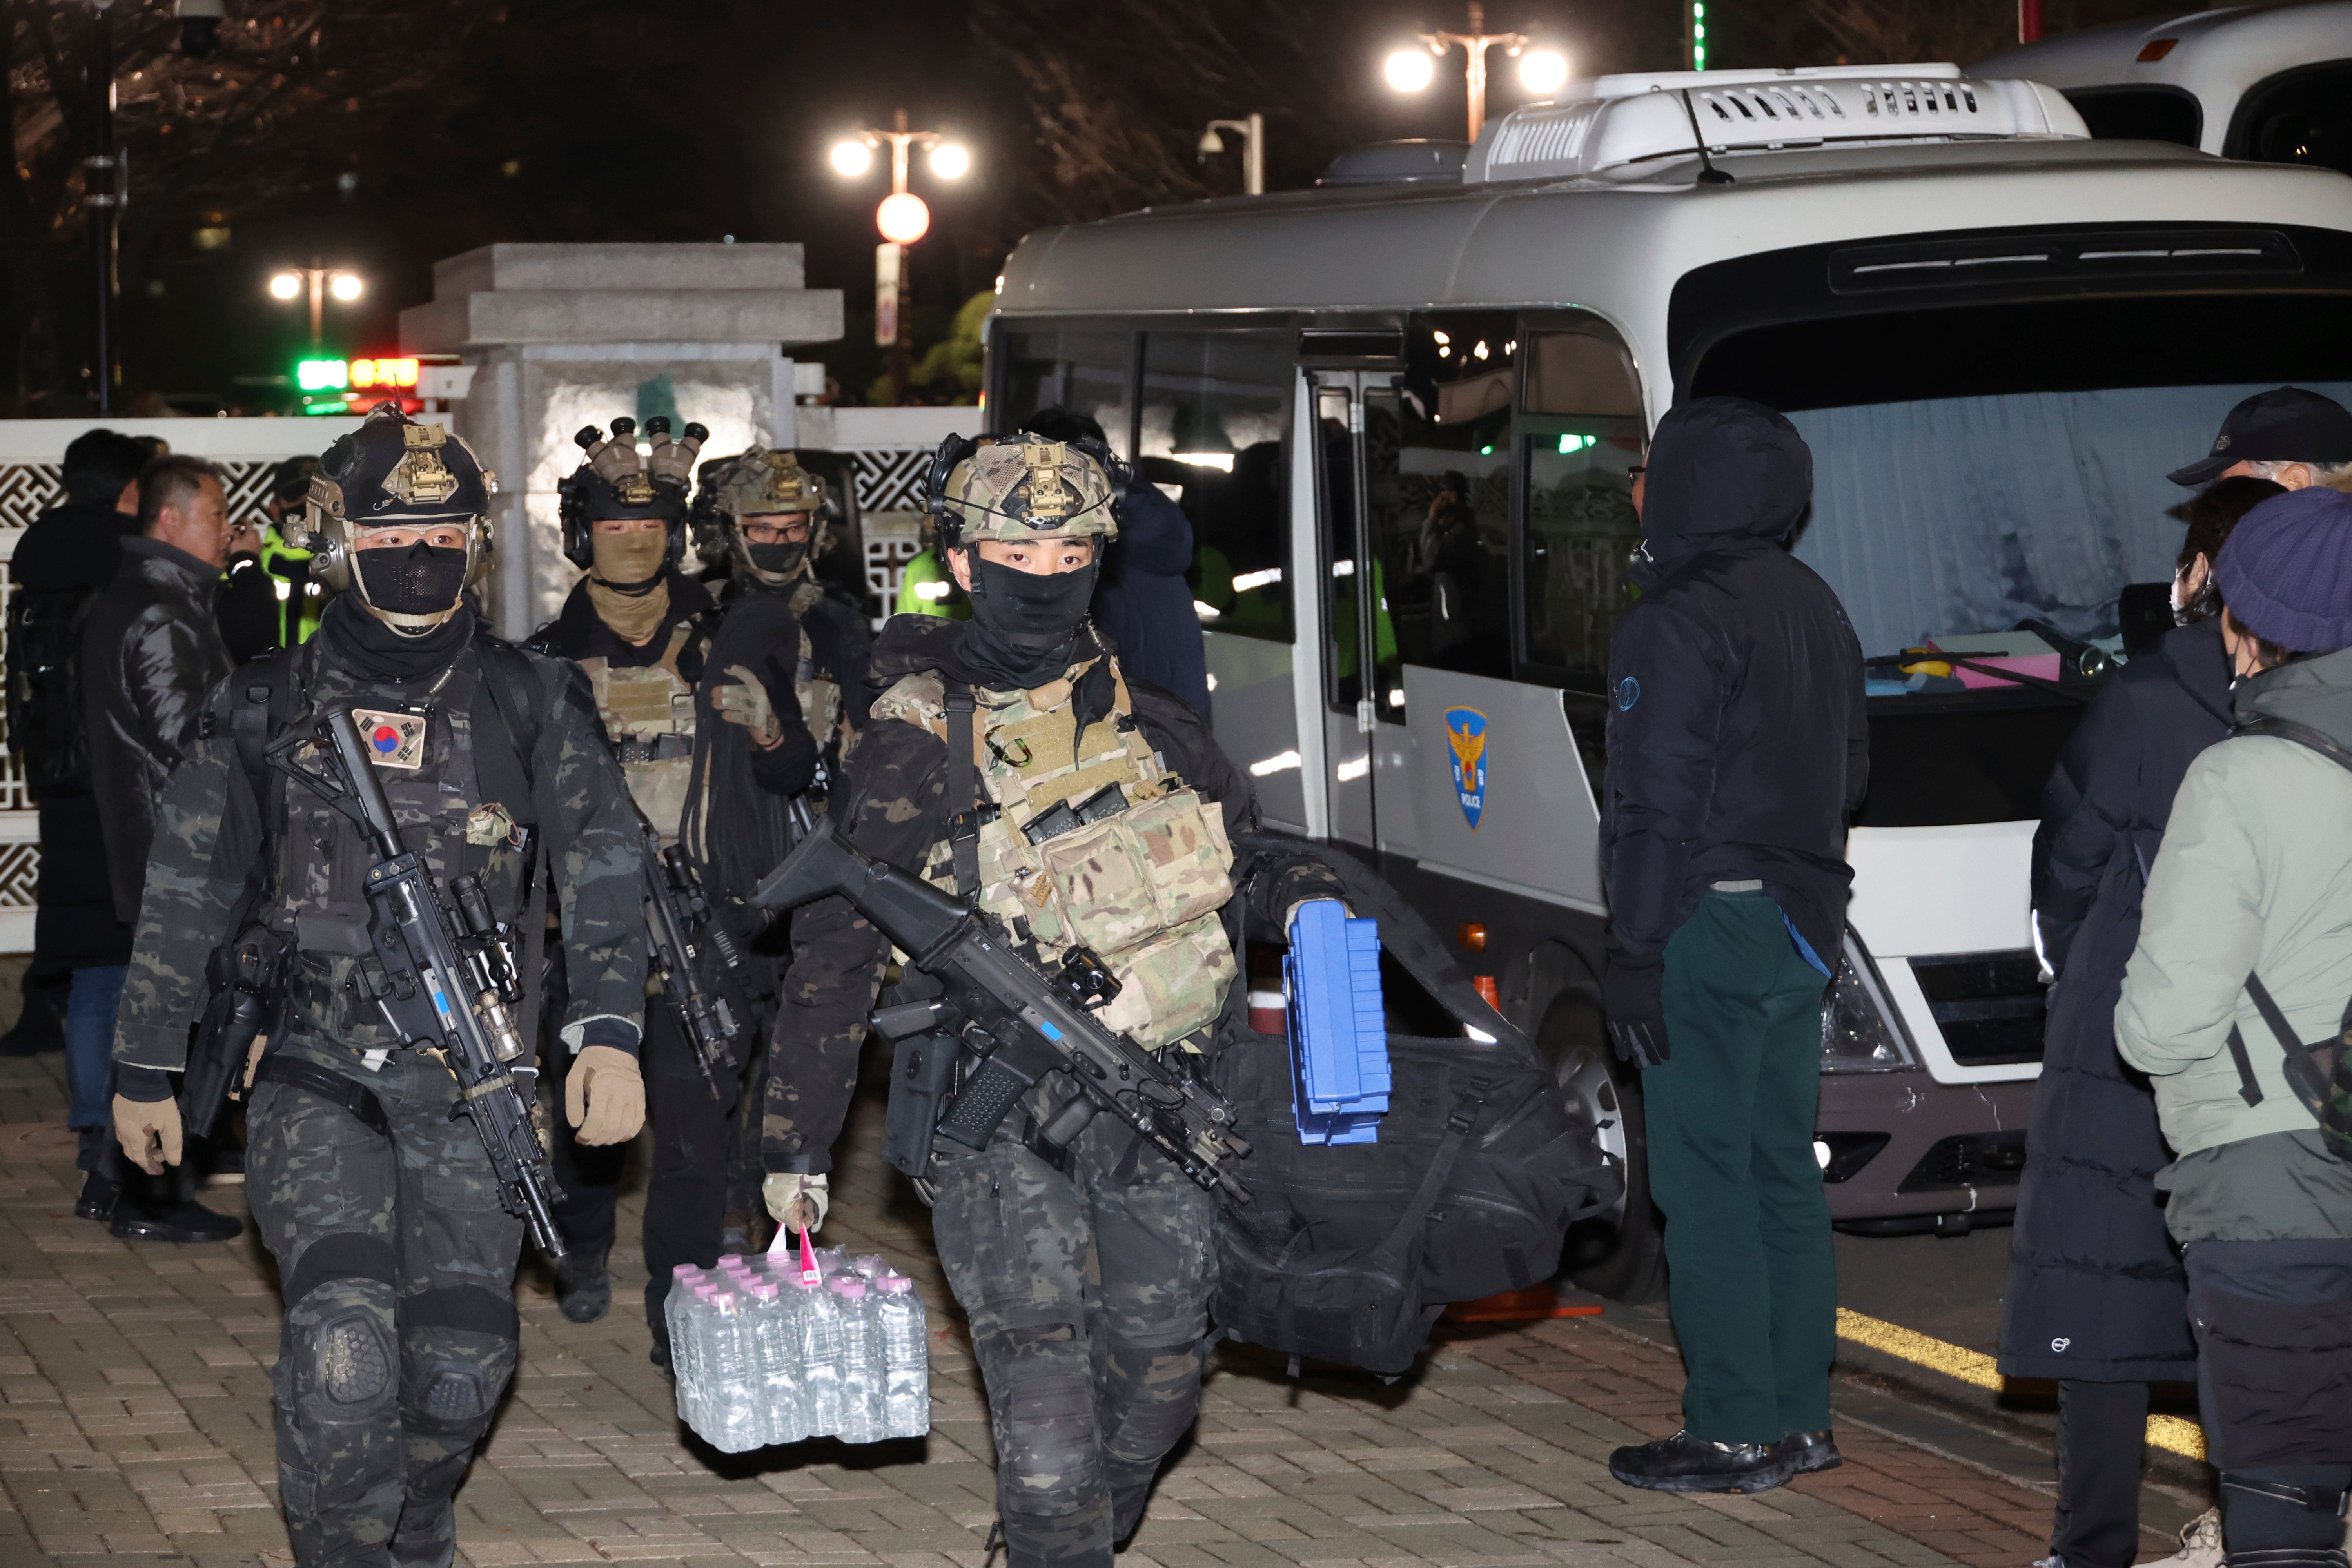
(1367, 750)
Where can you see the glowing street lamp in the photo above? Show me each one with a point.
(1412, 70)
(902, 218)
(321, 281)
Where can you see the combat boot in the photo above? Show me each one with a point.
(583, 1290)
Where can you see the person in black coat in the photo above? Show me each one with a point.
(79, 947)
(1738, 748)
(2096, 1298)
(1143, 605)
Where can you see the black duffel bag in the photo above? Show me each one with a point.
(1349, 1252)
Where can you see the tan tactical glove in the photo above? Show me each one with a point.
(796, 1201)
(149, 1132)
(604, 1096)
(745, 702)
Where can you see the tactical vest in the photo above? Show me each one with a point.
(648, 711)
(1089, 840)
(428, 752)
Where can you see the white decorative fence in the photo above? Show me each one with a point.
(892, 446)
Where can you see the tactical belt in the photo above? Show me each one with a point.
(331, 1086)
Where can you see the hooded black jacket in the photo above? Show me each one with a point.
(1145, 605)
(2096, 1287)
(1738, 737)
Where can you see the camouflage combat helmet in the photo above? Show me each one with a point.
(1024, 488)
(761, 483)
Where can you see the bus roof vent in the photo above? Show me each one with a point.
(1616, 121)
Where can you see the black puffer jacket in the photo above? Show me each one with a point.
(61, 565)
(2095, 1290)
(150, 652)
(1738, 737)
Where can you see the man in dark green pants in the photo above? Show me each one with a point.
(1736, 750)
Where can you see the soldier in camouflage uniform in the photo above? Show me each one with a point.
(1085, 807)
(644, 631)
(396, 1256)
(769, 518)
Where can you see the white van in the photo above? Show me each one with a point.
(1997, 335)
(2269, 83)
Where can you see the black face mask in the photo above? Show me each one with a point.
(1024, 626)
(776, 559)
(422, 580)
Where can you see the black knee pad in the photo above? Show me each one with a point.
(1041, 1390)
(2294, 1508)
(349, 1358)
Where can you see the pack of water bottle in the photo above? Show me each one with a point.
(790, 1345)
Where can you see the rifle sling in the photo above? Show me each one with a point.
(963, 794)
(331, 1086)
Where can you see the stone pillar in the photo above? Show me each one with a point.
(563, 336)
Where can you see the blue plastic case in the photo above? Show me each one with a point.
(1339, 1030)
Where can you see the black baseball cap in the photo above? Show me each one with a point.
(2285, 425)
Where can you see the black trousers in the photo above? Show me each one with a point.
(694, 1138)
(2273, 1322)
(2101, 1439)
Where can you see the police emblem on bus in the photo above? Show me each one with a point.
(1465, 732)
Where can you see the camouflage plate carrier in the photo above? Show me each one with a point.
(648, 711)
(1089, 839)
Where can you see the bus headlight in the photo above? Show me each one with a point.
(1861, 1031)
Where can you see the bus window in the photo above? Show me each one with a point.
(1580, 429)
(1085, 373)
(1216, 416)
(2302, 116)
(1438, 476)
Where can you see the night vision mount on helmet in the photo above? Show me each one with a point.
(395, 472)
(1022, 486)
(616, 481)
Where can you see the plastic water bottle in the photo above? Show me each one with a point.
(783, 1418)
(728, 1393)
(691, 1352)
(819, 1323)
(861, 1361)
(906, 1358)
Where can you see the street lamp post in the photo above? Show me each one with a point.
(1408, 71)
(321, 281)
(1252, 133)
(903, 218)
(106, 186)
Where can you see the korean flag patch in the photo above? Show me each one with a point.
(393, 740)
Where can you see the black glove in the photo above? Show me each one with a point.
(1630, 986)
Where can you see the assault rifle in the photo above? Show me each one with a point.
(1019, 1021)
(696, 990)
(444, 978)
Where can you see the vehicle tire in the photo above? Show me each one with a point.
(1621, 1253)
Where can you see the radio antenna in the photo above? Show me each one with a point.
(1708, 174)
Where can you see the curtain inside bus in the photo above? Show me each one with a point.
(1970, 514)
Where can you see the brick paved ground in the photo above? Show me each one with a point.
(135, 1423)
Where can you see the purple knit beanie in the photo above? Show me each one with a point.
(2286, 570)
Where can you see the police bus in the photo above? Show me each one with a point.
(1402, 409)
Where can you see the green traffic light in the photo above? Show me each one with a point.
(321, 375)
